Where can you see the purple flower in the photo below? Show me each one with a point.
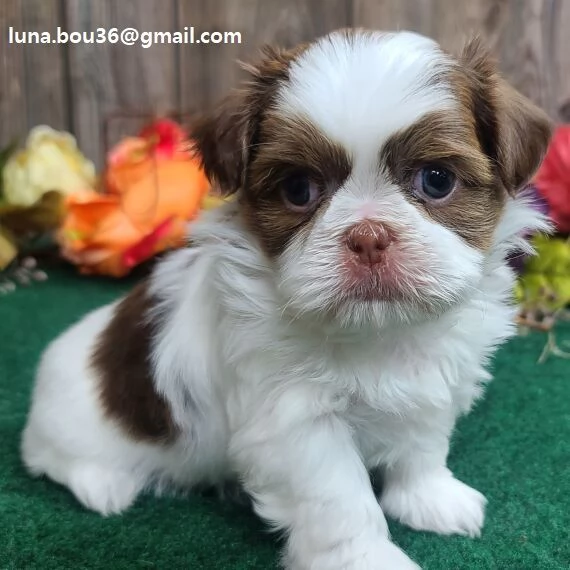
(537, 200)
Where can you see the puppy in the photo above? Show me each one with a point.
(334, 320)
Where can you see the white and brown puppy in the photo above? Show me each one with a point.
(335, 319)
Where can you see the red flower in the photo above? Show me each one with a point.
(553, 178)
(165, 137)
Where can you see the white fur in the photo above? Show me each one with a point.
(271, 379)
(362, 90)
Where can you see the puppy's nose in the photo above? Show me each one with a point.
(368, 240)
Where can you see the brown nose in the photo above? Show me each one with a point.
(367, 240)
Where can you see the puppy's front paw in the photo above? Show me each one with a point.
(390, 557)
(380, 554)
(438, 503)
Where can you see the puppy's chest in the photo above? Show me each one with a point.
(394, 395)
(386, 380)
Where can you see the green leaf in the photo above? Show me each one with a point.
(546, 280)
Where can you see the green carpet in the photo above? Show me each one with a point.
(515, 448)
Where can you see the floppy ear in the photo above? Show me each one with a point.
(225, 138)
(512, 131)
(222, 139)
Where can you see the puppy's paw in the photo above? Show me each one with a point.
(101, 489)
(381, 554)
(438, 503)
(390, 557)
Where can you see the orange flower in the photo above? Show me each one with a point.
(153, 187)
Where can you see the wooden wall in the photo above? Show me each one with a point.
(76, 87)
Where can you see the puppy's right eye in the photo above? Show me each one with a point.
(434, 181)
(299, 192)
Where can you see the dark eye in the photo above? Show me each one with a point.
(434, 181)
(299, 192)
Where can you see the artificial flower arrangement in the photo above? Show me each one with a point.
(33, 186)
(153, 187)
(106, 224)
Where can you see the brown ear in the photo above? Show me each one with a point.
(512, 131)
(222, 138)
(225, 139)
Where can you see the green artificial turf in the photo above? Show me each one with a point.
(514, 447)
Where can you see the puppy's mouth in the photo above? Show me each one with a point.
(387, 280)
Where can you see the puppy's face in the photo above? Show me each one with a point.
(373, 168)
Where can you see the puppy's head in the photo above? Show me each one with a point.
(373, 168)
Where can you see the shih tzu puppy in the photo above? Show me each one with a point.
(333, 320)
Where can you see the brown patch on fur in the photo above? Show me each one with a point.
(226, 138)
(246, 145)
(289, 146)
(450, 140)
(121, 360)
(493, 143)
(512, 131)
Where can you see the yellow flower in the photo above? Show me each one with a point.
(8, 250)
(50, 161)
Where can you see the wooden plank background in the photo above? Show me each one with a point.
(77, 86)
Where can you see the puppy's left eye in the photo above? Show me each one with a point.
(299, 192)
(434, 181)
